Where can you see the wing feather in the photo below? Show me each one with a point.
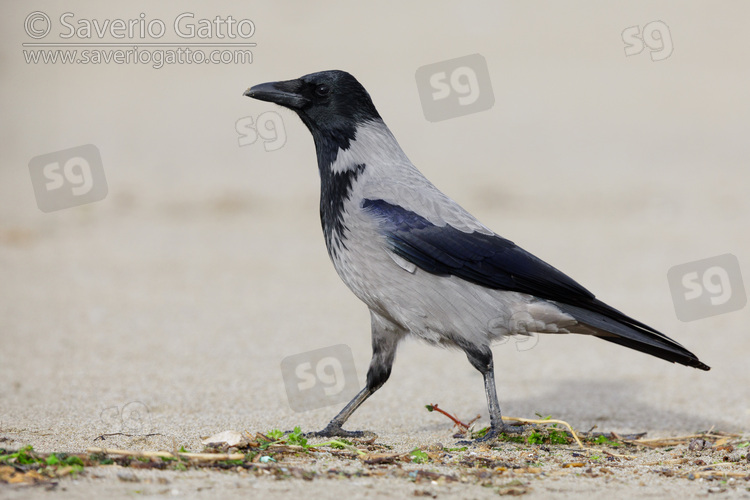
(492, 261)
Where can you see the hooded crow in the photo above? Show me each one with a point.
(422, 264)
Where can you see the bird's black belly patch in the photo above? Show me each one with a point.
(335, 190)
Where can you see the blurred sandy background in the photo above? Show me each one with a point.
(205, 266)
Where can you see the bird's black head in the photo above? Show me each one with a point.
(330, 103)
(328, 99)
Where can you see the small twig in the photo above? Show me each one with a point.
(282, 447)
(613, 454)
(547, 421)
(264, 437)
(383, 458)
(103, 437)
(718, 464)
(346, 446)
(572, 433)
(474, 419)
(714, 473)
(674, 461)
(203, 457)
(365, 442)
(667, 441)
(434, 407)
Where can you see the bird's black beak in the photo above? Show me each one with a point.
(282, 93)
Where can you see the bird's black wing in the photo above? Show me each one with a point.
(495, 262)
(485, 259)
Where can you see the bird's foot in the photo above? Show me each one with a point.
(514, 429)
(332, 431)
(493, 433)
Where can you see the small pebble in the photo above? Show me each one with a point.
(735, 456)
(698, 444)
(128, 477)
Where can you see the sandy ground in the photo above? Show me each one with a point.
(204, 265)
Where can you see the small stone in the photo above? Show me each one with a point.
(128, 477)
(698, 444)
(734, 456)
(226, 438)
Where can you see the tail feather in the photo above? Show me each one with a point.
(611, 325)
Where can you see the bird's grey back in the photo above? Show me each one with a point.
(388, 175)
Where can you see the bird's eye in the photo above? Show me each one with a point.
(322, 90)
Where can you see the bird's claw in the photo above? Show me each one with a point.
(513, 429)
(332, 431)
(493, 433)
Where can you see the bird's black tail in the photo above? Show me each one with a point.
(609, 324)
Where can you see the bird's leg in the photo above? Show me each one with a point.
(334, 426)
(481, 359)
(384, 342)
